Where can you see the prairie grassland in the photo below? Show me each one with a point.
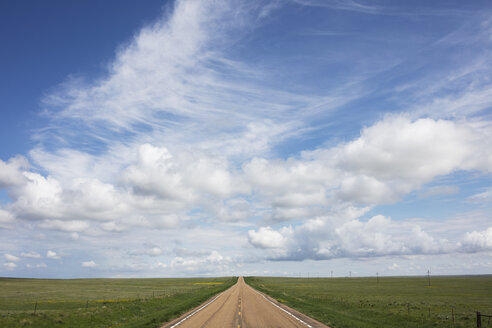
(393, 302)
(102, 302)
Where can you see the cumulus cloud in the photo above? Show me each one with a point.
(478, 240)
(36, 266)
(11, 258)
(10, 265)
(382, 236)
(397, 147)
(89, 264)
(161, 265)
(397, 155)
(52, 255)
(329, 238)
(393, 267)
(213, 262)
(179, 178)
(148, 250)
(68, 226)
(6, 219)
(40, 197)
(32, 255)
(367, 190)
(11, 171)
(266, 237)
(388, 160)
(154, 251)
(111, 227)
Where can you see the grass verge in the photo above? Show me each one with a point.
(102, 302)
(386, 302)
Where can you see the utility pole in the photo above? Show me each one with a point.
(332, 273)
(429, 277)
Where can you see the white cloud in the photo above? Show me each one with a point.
(179, 178)
(10, 265)
(329, 237)
(483, 197)
(52, 255)
(89, 264)
(367, 190)
(397, 147)
(156, 173)
(213, 262)
(38, 197)
(156, 190)
(32, 255)
(161, 265)
(149, 250)
(478, 240)
(68, 226)
(111, 227)
(176, 68)
(36, 266)
(342, 5)
(154, 251)
(11, 258)
(6, 219)
(11, 171)
(266, 237)
(388, 160)
(44, 198)
(394, 267)
(381, 236)
(396, 155)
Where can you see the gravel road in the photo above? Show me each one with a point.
(241, 306)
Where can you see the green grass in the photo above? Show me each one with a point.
(393, 302)
(102, 302)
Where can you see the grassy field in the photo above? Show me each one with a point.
(393, 302)
(101, 302)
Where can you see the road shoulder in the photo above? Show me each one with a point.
(313, 322)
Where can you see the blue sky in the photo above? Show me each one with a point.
(184, 138)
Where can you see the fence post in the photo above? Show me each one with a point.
(452, 313)
(479, 320)
(35, 307)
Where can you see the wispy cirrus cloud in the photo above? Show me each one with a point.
(370, 8)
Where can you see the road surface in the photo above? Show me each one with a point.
(241, 306)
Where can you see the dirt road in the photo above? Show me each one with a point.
(241, 306)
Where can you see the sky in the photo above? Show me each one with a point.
(230, 137)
